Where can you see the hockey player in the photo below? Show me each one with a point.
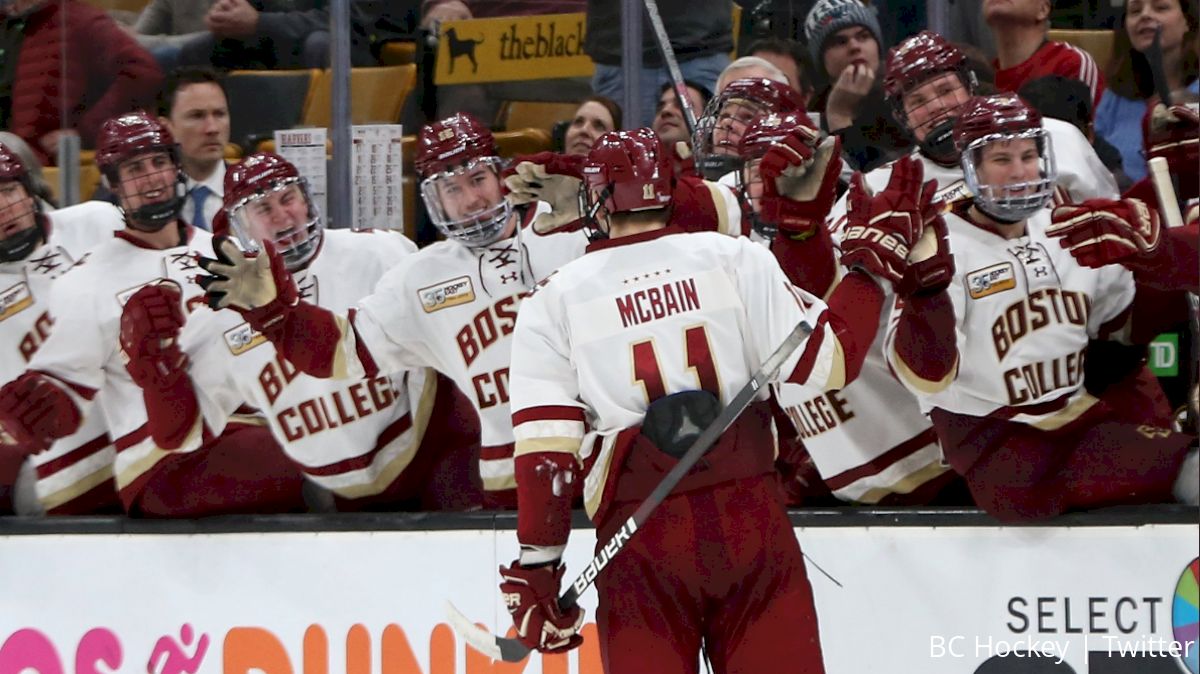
(928, 81)
(83, 360)
(358, 439)
(725, 118)
(451, 306)
(74, 475)
(868, 441)
(997, 357)
(642, 340)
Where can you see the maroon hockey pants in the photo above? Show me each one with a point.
(720, 566)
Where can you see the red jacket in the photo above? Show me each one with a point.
(102, 72)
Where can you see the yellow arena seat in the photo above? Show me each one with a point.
(376, 95)
(398, 53)
(533, 114)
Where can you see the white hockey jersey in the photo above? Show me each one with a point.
(648, 315)
(84, 350)
(78, 463)
(1081, 174)
(1024, 311)
(352, 437)
(454, 308)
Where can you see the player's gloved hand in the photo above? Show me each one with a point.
(882, 228)
(800, 174)
(553, 178)
(531, 595)
(930, 263)
(150, 326)
(34, 412)
(258, 287)
(1098, 232)
(1173, 133)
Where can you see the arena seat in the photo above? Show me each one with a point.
(261, 101)
(89, 178)
(398, 53)
(533, 114)
(376, 95)
(1098, 43)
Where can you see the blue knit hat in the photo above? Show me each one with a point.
(829, 16)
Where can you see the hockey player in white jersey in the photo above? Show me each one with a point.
(357, 439)
(868, 441)
(719, 128)
(640, 342)
(74, 475)
(928, 81)
(451, 306)
(82, 361)
(997, 358)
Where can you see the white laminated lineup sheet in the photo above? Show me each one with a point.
(376, 177)
(305, 148)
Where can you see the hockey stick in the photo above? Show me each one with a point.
(512, 650)
(668, 53)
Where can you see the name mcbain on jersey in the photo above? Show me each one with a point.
(651, 304)
(1039, 309)
(332, 410)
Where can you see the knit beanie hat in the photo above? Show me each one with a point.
(829, 16)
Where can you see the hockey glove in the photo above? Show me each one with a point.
(35, 412)
(258, 287)
(553, 178)
(930, 264)
(150, 326)
(800, 175)
(1099, 232)
(882, 228)
(1173, 133)
(531, 595)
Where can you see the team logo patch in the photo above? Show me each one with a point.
(952, 193)
(447, 294)
(991, 280)
(243, 338)
(14, 300)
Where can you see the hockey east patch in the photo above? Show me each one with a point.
(447, 294)
(243, 338)
(14, 300)
(991, 280)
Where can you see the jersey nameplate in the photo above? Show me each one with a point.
(14, 300)
(243, 338)
(991, 280)
(447, 294)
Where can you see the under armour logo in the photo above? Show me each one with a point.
(510, 277)
(1039, 272)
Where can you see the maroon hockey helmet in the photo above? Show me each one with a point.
(762, 133)
(626, 172)
(126, 137)
(266, 199)
(20, 228)
(910, 64)
(720, 127)
(459, 167)
(1004, 118)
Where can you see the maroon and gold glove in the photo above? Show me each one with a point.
(800, 174)
(881, 229)
(1099, 232)
(930, 263)
(150, 325)
(35, 412)
(553, 178)
(531, 595)
(258, 287)
(1173, 133)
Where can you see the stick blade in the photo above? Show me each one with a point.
(495, 647)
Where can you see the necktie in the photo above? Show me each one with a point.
(199, 194)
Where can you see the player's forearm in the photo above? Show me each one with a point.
(173, 413)
(854, 315)
(808, 263)
(546, 484)
(925, 341)
(319, 342)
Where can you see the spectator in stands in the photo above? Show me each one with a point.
(845, 45)
(788, 56)
(1070, 100)
(40, 188)
(258, 34)
(701, 33)
(980, 64)
(67, 67)
(596, 116)
(1130, 85)
(965, 25)
(1019, 28)
(483, 101)
(668, 119)
(165, 26)
(194, 107)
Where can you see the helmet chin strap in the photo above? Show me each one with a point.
(18, 246)
(938, 145)
(151, 218)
